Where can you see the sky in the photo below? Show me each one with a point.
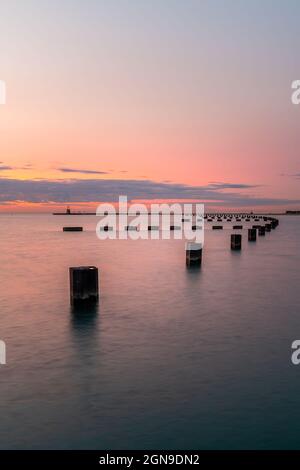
(160, 99)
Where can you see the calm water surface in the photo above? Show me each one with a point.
(172, 358)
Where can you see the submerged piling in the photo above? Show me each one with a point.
(236, 241)
(84, 284)
(193, 254)
(262, 231)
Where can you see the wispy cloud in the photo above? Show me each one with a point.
(83, 172)
(5, 167)
(293, 175)
(219, 185)
(95, 190)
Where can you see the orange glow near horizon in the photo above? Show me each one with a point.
(164, 101)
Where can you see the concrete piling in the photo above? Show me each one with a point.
(251, 234)
(193, 254)
(268, 227)
(236, 241)
(274, 223)
(84, 284)
(72, 229)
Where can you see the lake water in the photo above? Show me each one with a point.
(172, 359)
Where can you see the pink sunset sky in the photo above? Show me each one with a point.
(155, 100)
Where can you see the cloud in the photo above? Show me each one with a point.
(84, 172)
(95, 190)
(5, 167)
(293, 175)
(218, 185)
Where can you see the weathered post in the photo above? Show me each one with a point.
(84, 285)
(274, 223)
(251, 234)
(236, 241)
(72, 229)
(193, 254)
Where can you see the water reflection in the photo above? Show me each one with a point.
(84, 317)
(193, 271)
